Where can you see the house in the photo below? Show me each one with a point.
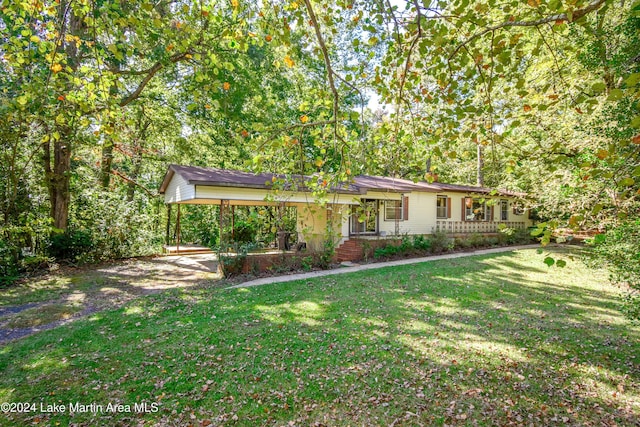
(369, 207)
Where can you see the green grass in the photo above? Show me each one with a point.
(495, 340)
(42, 315)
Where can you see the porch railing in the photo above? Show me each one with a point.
(464, 227)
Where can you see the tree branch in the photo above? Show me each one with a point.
(327, 63)
(150, 73)
(577, 14)
(129, 180)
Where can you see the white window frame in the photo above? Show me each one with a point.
(504, 210)
(445, 207)
(388, 208)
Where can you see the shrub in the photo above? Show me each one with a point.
(384, 251)
(9, 255)
(307, 263)
(462, 243)
(619, 250)
(514, 236)
(35, 263)
(440, 242)
(245, 232)
(328, 251)
(421, 243)
(493, 241)
(232, 264)
(405, 245)
(476, 240)
(71, 245)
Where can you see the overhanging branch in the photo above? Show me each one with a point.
(561, 17)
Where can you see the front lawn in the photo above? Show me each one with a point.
(496, 340)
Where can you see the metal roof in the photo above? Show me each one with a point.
(196, 175)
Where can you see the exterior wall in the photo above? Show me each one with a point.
(179, 190)
(207, 192)
(311, 225)
(455, 224)
(422, 216)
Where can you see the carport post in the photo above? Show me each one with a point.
(178, 231)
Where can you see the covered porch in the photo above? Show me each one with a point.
(297, 221)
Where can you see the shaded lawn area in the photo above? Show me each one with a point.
(494, 339)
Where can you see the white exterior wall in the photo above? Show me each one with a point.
(422, 215)
(207, 192)
(456, 208)
(179, 190)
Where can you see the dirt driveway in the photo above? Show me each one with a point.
(61, 297)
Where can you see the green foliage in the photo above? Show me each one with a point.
(244, 232)
(619, 251)
(517, 236)
(386, 251)
(476, 240)
(35, 264)
(232, 263)
(9, 256)
(462, 243)
(421, 243)
(328, 252)
(441, 242)
(71, 245)
(307, 263)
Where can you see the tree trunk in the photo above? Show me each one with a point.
(138, 148)
(105, 163)
(60, 182)
(59, 175)
(480, 172)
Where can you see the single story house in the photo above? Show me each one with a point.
(369, 207)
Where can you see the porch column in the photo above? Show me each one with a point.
(168, 230)
(178, 231)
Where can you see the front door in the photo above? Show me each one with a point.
(364, 217)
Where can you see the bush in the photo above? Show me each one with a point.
(245, 232)
(9, 255)
(514, 236)
(71, 245)
(493, 241)
(35, 263)
(307, 263)
(477, 240)
(462, 243)
(421, 243)
(328, 251)
(619, 251)
(386, 251)
(232, 264)
(440, 242)
(405, 245)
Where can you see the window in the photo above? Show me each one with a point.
(518, 209)
(504, 210)
(393, 210)
(476, 210)
(442, 207)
